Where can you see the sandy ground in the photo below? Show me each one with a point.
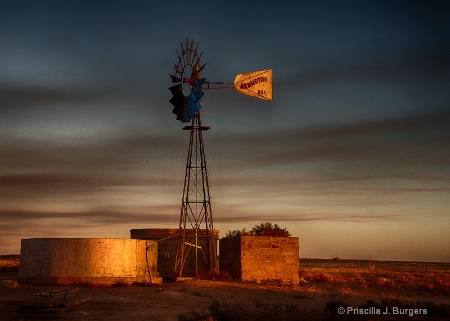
(170, 300)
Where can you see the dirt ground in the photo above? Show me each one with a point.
(171, 301)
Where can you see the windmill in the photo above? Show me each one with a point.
(196, 238)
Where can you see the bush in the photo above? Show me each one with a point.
(308, 276)
(427, 286)
(9, 265)
(334, 305)
(236, 232)
(385, 283)
(191, 316)
(263, 229)
(322, 277)
(395, 301)
(215, 275)
(443, 283)
(433, 309)
(217, 312)
(225, 312)
(269, 229)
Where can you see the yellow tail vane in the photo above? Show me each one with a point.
(257, 84)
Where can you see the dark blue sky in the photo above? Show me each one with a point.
(352, 155)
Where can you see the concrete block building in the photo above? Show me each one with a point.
(260, 258)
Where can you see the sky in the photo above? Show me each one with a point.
(352, 155)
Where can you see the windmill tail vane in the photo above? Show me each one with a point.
(256, 84)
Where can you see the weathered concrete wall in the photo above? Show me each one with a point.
(167, 246)
(258, 258)
(88, 260)
(167, 249)
(230, 256)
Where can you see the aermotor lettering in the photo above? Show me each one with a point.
(253, 82)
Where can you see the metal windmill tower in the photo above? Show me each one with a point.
(196, 238)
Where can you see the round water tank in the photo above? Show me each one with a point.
(88, 260)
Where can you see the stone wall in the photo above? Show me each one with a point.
(259, 258)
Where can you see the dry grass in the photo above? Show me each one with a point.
(9, 264)
(386, 280)
(319, 288)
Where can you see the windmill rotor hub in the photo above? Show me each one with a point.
(186, 83)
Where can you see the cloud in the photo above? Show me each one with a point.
(317, 217)
(382, 147)
(430, 64)
(410, 153)
(13, 97)
(19, 180)
(87, 154)
(98, 217)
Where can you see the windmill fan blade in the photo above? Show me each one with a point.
(198, 71)
(180, 109)
(192, 105)
(174, 89)
(184, 107)
(177, 100)
(198, 94)
(175, 79)
(183, 118)
(199, 82)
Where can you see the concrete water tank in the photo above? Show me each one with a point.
(88, 261)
